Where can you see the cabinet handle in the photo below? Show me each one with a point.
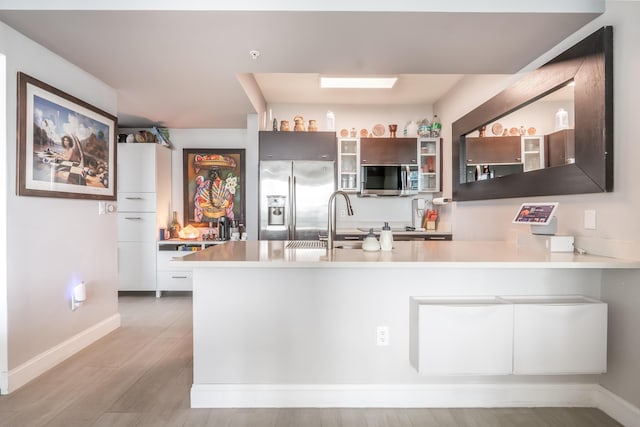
(133, 218)
(437, 238)
(469, 160)
(133, 198)
(179, 277)
(351, 238)
(518, 158)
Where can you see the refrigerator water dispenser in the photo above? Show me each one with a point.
(275, 206)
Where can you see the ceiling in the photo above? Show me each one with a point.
(180, 69)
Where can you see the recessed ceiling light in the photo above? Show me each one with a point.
(358, 82)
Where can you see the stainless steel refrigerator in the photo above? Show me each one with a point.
(293, 198)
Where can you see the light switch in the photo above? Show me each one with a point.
(590, 219)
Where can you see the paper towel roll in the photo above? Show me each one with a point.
(440, 201)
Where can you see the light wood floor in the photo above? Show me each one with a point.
(140, 375)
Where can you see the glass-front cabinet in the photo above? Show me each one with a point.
(349, 164)
(429, 161)
(532, 152)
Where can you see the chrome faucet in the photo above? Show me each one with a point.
(331, 223)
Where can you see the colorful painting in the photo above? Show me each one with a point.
(213, 185)
(66, 147)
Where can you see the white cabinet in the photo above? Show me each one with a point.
(463, 336)
(144, 206)
(349, 164)
(532, 152)
(174, 278)
(429, 156)
(493, 335)
(559, 335)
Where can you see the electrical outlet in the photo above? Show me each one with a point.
(102, 208)
(382, 335)
(590, 219)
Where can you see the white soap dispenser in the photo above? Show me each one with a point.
(386, 238)
(370, 243)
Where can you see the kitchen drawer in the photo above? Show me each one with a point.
(136, 202)
(559, 335)
(461, 336)
(137, 227)
(175, 280)
(164, 257)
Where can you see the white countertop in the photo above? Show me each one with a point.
(411, 254)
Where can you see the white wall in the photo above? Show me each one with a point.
(54, 242)
(4, 362)
(618, 229)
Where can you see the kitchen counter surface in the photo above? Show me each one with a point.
(409, 254)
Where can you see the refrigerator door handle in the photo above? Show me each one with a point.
(290, 216)
(293, 210)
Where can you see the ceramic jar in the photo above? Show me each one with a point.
(298, 124)
(284, 126)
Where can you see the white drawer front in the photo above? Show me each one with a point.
(560, 339)
(136, 202)
(174, 281)
(465, 339)
(165, 256)
(137, 227)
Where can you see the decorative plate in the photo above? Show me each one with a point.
(378, 130)
(531, 131)
(344, 133)
(496, 129)
(364, 133)
(514, 131)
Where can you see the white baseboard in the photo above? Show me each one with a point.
(617, 408)
(403, 396)
(36, 366)
(414, 396)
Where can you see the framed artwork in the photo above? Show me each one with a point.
(213, 185)
(66, 147)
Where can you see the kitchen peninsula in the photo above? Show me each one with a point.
(280, 327)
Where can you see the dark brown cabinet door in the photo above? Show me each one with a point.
(298, 145)
(491, 150)
(560, 147)
(388, 151)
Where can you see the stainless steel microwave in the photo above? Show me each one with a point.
(389, 180)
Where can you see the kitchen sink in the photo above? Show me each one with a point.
(347, 245)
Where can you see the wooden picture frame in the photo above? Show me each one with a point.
(213, 185)
(66, 147)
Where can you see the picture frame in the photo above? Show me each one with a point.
(66, 147)
(213, 185)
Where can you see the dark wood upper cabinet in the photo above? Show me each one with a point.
(493, 149)
(297, 145)
(388, 151)
(560, 147)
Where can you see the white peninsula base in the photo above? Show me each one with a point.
(273, 328)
